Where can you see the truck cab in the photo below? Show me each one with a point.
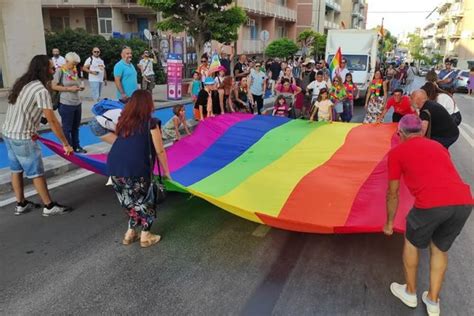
(359, 49)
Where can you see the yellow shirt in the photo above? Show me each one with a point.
(324, 108)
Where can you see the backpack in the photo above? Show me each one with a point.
(105, 104)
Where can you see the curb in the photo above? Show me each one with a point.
(56, 166)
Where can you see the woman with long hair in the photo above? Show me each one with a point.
(67, 82)
(375, 98)
(444, 98)
(29, 100)
(130, 164)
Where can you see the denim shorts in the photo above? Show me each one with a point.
(24, 155)
(97, 129)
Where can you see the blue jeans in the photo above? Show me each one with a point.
(96, 89)
(71, 120)
(24, 155)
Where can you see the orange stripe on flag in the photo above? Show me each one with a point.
(321, 199)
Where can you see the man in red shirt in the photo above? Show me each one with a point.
(443, 202)
(401, 106)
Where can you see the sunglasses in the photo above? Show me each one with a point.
(203, 60)
(96, 51)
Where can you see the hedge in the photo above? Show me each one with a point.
(81, 42)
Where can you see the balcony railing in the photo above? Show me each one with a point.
(252, 46)
(333, 5)
(90, 3)
(330, 25)
(268, 9)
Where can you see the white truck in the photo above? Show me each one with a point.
(359, 48)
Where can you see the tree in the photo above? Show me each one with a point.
(388, 42)
(312, 43)
(202, 19)
(283, 48)
(415, 46)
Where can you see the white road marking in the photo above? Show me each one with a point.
(466, 136)
(468, 127)
(64, 179)
(261, 231)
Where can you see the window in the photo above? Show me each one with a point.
(281, 32)
(254, 32)
(105, 20)
(59, 23)
(91, 25)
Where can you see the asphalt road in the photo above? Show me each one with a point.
(211, 262)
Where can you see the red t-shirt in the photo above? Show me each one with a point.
(429, 173)
(404, 107)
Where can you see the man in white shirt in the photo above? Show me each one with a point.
(146, 68)
(317, 85)
(57, 59)
(341, 71)
(95, 66)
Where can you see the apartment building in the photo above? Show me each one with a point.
(322, 15)
(278, 17)
(105, 17)
(451, 32)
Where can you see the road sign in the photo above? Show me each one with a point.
(147, 34)
(264, 36)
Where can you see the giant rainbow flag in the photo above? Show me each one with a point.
(291, 174)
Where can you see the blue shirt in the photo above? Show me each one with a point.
(130, 156)
(128, 77)
(442, 74)
(257, 79)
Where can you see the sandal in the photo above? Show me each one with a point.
(154, 239)
(131, 240)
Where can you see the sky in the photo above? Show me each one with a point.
(400, 16)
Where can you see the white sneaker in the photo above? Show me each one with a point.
(19, 210)
(55, 210)
(400, 291)
(432, 308)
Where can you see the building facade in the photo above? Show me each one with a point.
(119, 18)
(323, 15)
(278, 17)
(450, 32)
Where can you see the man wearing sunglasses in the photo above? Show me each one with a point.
(447, 76)
(95, 66)
(146, 68)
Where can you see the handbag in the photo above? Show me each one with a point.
(457, 118)
(55, 95)
(156, 191)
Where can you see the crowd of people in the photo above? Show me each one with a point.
(428, 120)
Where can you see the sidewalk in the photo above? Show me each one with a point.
(56, 166)
(159, 97)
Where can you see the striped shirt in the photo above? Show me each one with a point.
(23, 118)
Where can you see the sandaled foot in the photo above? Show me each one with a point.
(130, 238)
(150, 240)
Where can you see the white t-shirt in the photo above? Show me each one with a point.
(147, 66)
(96, 64)
(109, 119)
(58, 62)
(341, 72)
(317, 86)
(447, 102)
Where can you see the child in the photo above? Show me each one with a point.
(281, 108)
(323, 106)
(337, 95)
(195, 86)
(352, 94)
(171, 130)
(316, 86)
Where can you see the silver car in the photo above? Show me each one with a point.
(461, 80)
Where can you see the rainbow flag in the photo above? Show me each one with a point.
(215, 63)
(290, 174)
(335, 63)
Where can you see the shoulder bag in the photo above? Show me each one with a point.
(55, 95)
(428, 131)
(156, 191)
(456, 116)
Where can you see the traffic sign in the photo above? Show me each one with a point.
(264, 36)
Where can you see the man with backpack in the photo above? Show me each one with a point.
(146, 68)
(95, 67)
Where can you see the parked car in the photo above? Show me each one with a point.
(462, 78)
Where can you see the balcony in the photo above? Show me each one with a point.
(90, 3)
(252, 46)
(268, 9)
(333, 5)
(330, 25)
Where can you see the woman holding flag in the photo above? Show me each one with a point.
(375, 98)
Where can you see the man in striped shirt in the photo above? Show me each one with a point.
(29, 100)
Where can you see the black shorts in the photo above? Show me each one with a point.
(440, 224)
